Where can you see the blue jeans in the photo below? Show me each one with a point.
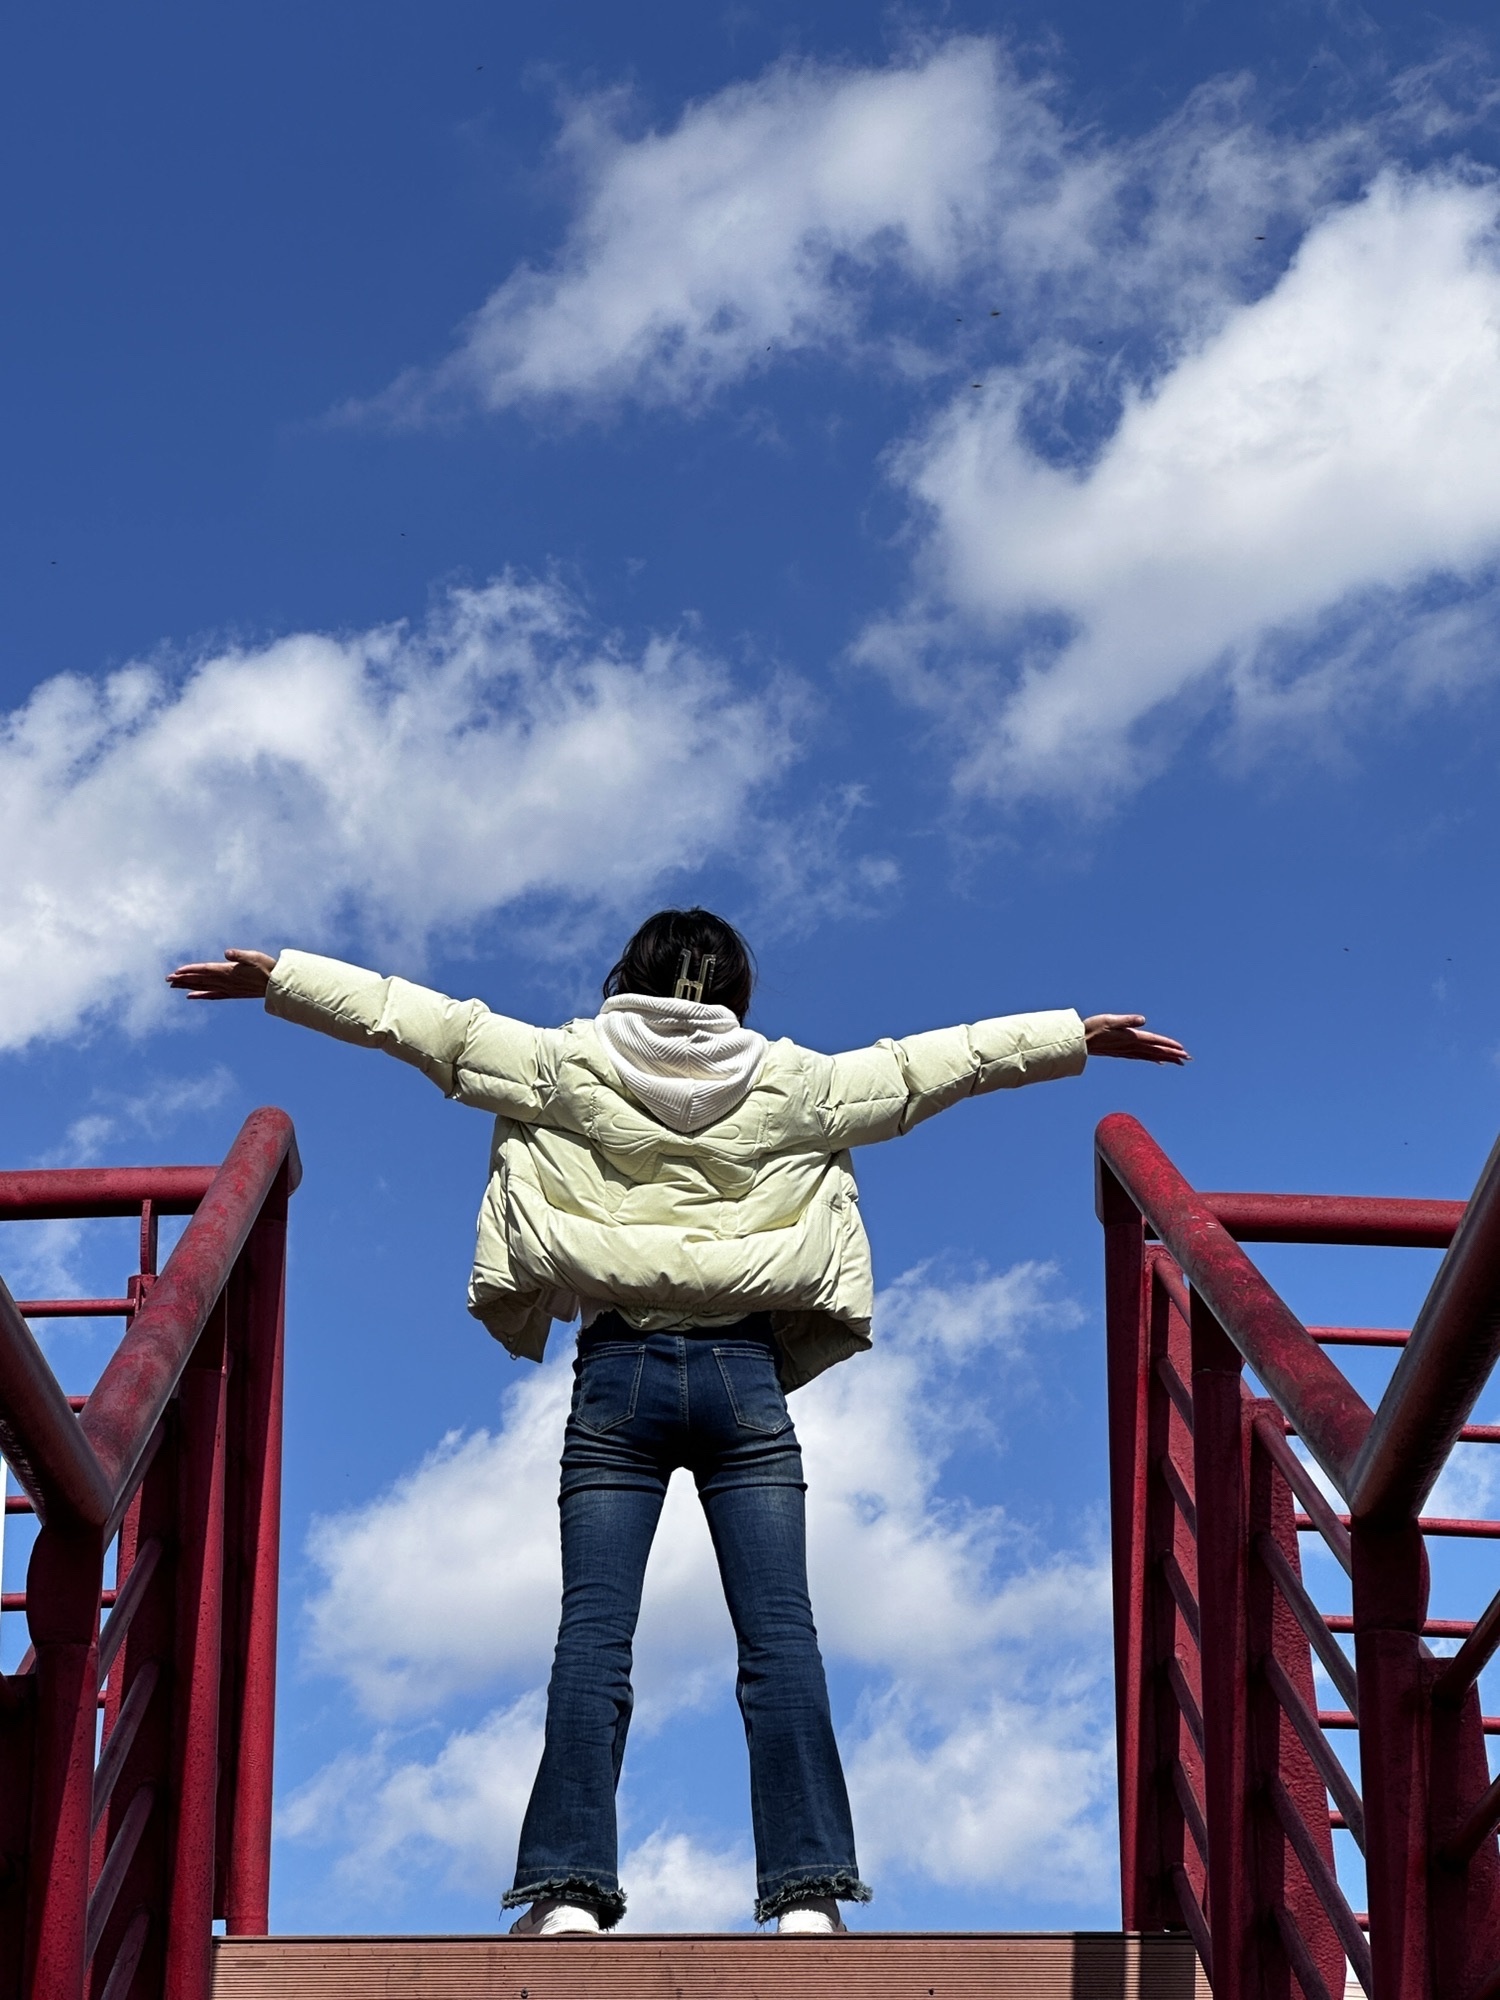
(642, 1404)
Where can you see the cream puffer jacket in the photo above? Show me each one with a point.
(593, 1199)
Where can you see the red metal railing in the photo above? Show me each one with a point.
(1230, 1787)
(123, 1837)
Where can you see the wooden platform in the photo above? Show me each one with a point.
(868, 1965)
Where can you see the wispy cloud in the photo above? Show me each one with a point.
(984, 1660)
(395, 784)
(1299, 511)
(830, 207)
(757, 225)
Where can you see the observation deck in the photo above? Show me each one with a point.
(136, 1732)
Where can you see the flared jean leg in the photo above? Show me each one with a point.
(804, 1836)
(569, 1844)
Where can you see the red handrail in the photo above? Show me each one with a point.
(1230, 1790)
(126, 1857)
(1330, 1415)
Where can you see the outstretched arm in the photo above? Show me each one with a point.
(238, 975)
(1127, 1035)
(470, 1053)
(876, 1093)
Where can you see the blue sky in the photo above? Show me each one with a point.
(1004, 504)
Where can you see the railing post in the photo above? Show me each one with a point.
(1390, 1603)
(1219, 1434)
(1276, 1751)
(1465, 1910)
(62, 1601)
(200, 1576)
(254, 1544)
(1128, 1364)
(1178, 1870)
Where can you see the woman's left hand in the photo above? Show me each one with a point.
(1127, 1035)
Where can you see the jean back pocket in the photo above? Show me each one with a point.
(608, 1381)
(755, 1394)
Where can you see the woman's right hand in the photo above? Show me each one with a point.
(238, 975)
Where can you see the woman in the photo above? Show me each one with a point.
(683, 1187)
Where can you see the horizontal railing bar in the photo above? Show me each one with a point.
(1472, 1657)
(58, 1194)
(1337, 1823)
(15, 1600)
(18, 1503)
(1322, 1881)
(1192, 1715)
(1299, 1477)
(127, 1725)
(122, 1852)
(1193, 1917)
(74, 1308)
(1360, 1336)
(1329, 1411)
(1178, 1490)
(134, 1588)
(1312, 1982)
(1460, 1850)
(1430, 1628)
(1382, 1221)
(1470, 1434)
(1176, 1388)
(1340, 1718)
(1187, 1604)
(1304, 1720)
(1431, 1524)
(1192, 1812)
(1308, 1616)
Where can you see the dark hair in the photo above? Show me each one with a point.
(652, 961)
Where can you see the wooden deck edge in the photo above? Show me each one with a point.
(864, 1965)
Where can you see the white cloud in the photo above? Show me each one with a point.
(401, 782)
(754, 225)
(681, 1884)
(1263, 520)
(828, 207)
(1008, 1794)
(152, 1110)
(461, 1810)
(984, 1657)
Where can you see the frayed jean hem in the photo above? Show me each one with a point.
(843, 1885)
(608, 1905)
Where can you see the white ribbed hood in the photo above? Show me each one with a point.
(688, 1064)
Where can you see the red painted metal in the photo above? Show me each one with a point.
(1337, 1218)
(124, 1843)
(1215, 1627)
(51, 1194)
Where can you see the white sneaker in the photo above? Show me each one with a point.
(817, 1917)
(550, 1918)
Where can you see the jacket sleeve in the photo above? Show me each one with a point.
(473, 1055)
(881, 1092)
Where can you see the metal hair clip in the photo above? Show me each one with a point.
(693, 989)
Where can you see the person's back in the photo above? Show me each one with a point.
(684, 1189)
